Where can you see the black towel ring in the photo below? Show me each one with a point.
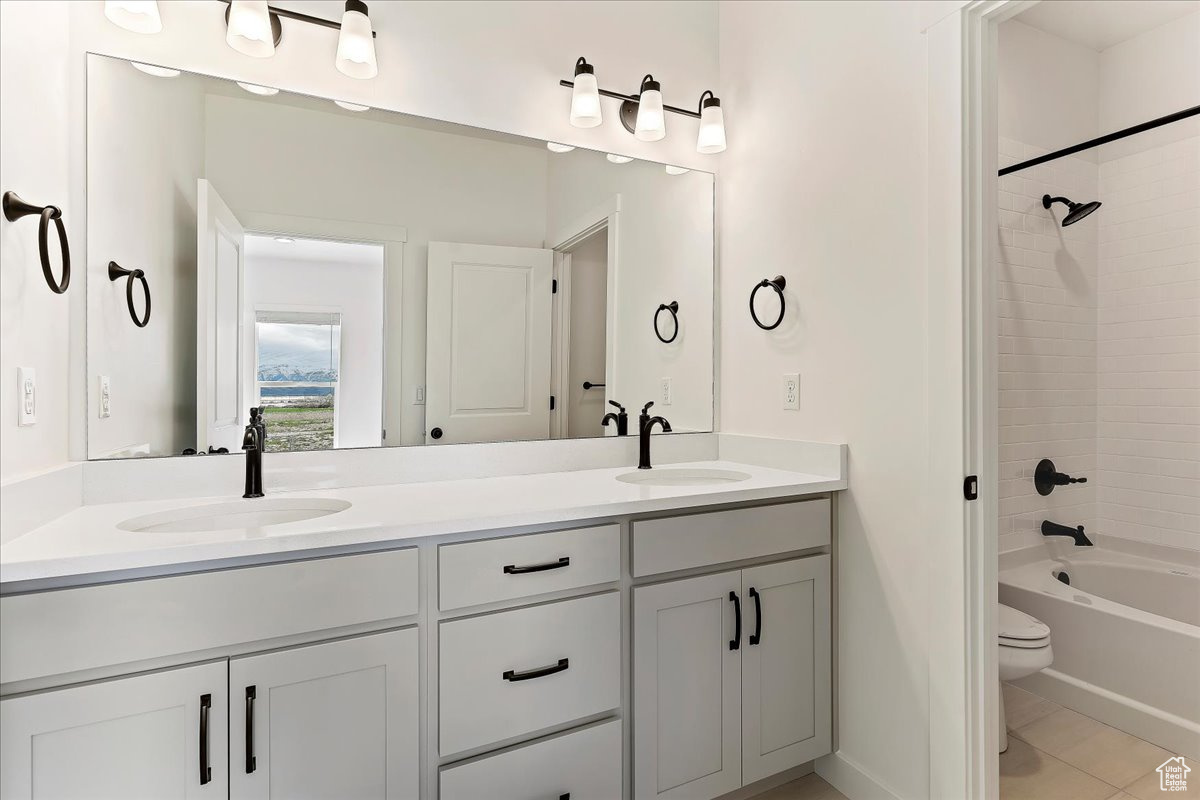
(673, 307)
(116, 272)
(777, 283)
(15, 208)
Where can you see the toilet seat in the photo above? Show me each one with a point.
(1017, 629)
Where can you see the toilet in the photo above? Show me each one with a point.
(1024, 643)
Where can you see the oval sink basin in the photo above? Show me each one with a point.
(666, 476)
(257, 513)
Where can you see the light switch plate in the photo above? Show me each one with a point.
(791, 391)
(105, 397)
(419, 397)
(665, 398)
(26, 396)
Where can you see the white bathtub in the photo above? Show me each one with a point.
(1125, 633)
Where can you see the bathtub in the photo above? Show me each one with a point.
(1124, 623)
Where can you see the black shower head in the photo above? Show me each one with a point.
(1076, 211)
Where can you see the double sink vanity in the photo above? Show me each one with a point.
(599, 633)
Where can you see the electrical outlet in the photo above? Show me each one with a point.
(26, 396)
(419, 399)
(791, 391)
(105, 398)
(666, 392)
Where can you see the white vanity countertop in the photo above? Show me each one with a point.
(87, 542)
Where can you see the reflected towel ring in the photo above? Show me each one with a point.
(777, 283)
(115, 272)
(15, 208)
(673, 307)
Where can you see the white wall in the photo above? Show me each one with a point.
(1151, 75)
(142, 214)
(34, 322)
(824, 181)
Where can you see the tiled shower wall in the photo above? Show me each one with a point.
(1148, 347)
(1047, 300)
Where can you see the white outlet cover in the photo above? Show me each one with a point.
(26, 396)
(665, 398)
(791, 391)
(419, 398)
(105, 397)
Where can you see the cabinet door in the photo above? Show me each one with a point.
(785, 666)
(159, 736)
(335, 720)
(686, 688)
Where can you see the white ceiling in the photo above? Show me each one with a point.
(1100, 24)
(320, 251)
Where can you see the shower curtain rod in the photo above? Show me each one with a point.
(1112, 137)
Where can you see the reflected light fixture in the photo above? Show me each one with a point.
(651, 123)
(356, 43)
(158, 72)
(616, 159)
(711, 138)
(671, 169)
(254, 88)
(252, 29)
(585, 97)
(139, 16)
(285, 240)
(555, 147)
(351, 106)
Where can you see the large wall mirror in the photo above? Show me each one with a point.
(373, 279)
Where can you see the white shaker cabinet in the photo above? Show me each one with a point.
(333, 720)
(157, 736)
(731, 678)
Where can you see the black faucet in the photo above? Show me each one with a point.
(254, 441)
(1046, 477)
(645, 423)
(1054, 529)
(621, 418)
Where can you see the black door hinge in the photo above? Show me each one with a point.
(554, 286)
(971, 487)
(551, 402)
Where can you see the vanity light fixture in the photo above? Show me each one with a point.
(585, 96)
(356, 43)
(651, 124)
(252, 28)
(139, 16)
(616, 159)
(671, 169)
(711, 138)
(158, 72)
(254, 88)
(555, 147)
(351, 106)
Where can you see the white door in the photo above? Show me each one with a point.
(159, 736)
(335, 720)
(488, 343)
(686, 688)
(221, 388)
(786, 690)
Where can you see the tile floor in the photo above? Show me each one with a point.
(810, 787)
(1056, 754)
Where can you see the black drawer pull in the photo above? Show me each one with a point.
(756, 637)
(736, 641)
(513, 569)
(540, 672)
(205, 767)
(251, 761)
(566, 796)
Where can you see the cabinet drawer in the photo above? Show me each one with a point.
(50, 633)
(584, 764)
(698, 540)
(507, 674)
(522, 566)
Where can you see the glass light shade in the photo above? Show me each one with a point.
(254, 88)
(616, 159)
(352, 106)
(158, 72)
(249, 28)
(651, 121)
(585, 102)
(555, 147)
(671, 169)
(356, 47)
(711, 138)
(139, 16)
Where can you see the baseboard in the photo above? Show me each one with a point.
(767, 784)
(1168, 731)
(851, 779)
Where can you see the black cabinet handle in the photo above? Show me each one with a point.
(205, 767)
(736, 641)
(513, 569)
(540, 672)
(251, 761)
(756, 637)
(566, 796)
